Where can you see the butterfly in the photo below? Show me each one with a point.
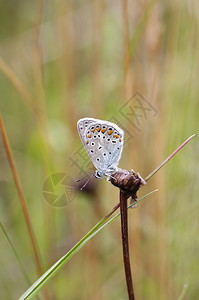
(103, 142)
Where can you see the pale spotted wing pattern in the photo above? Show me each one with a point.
(103, 142)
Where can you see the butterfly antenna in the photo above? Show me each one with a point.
(84, 177)
(87, 182)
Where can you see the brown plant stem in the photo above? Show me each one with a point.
(21, 198)
(125, 244)
(129, 183)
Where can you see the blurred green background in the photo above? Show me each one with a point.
(137, 64)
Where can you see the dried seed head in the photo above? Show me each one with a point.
(128, 182)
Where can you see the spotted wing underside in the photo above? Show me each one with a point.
(103, 142)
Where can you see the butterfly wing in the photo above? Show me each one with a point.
(103, 142)
(82, 127)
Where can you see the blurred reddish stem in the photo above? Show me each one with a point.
(18, 85)
(21, 197)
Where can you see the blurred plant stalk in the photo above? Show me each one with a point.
(21, 198)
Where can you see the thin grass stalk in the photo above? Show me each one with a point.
(21, 198)
(38, 58)
(124, 225)
(39, 80)
(140, 27)
(152, 46)
(183, 292)
(168, 158)
(18, 85)
(127, 54)
(123, 198)
(97, 13)
(69, 67)
(29, 101)
(36, 287)
(15, 254)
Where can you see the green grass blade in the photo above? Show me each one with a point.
(34, 289)
(184, 290)
(15, 253)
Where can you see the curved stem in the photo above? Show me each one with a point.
(21, 198)
(125, 244)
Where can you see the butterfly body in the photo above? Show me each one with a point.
(103, 142)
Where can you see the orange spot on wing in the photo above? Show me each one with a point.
(89, 135)
(103, 130)
(93, 130)
(110, 132)
(87, 142)
(120, 140)
(117, 136)
(98, 129)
